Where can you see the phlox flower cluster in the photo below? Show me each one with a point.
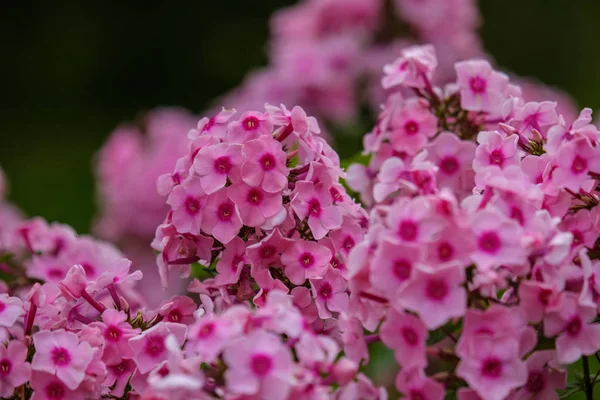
(480, 265)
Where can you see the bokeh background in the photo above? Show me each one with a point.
(72, 71)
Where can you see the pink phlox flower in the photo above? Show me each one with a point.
(412, 126)
(179, 309)
(118, 375)
(305, 260)
(232, 260)
(221, 217)
(413, 69)
(534, 116)
(453, 158)
(209, 336)
(481, 88)
(543, 378)
(251, 125)
(414, 220)
(392, 264)
(574, 160)
(149, 348)
(50, 387)
(116, 333)
(14, 370)
(265, 164)
(268, 251)
(495, 149)
(255, 205)
(330, 293)
(414, 384)
(217, 163)
(11, 309)
(215, 126)
(187, 201)
(314, 202)
(406, 335)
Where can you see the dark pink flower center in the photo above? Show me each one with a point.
(223, 165)
(55, 391)
(416, 394)
(5, 367)
(60, 356)
(112, 333)
(478, 84)
(89, 270)
(2, 306)
(577, 238)
(266, 251)
(175, 316)
(261, 364)
(449, 165)
(574, 326)
(208, 125)
(490, 242)
(155, 346)
(250, 123)
(56, 273)
(206, 331)
(236, 261)
(255, 196)
(408, 230)
(410, 335)
(411, 127)
(445, 251)
(314, 207)
(225, 212)
(437, 289)
(579, 165)
(192, 205)
(326, 290)
(497, 157)
(517, 215)
(536, 382)
(336, 196)
(491, 368)
(348, 243)
(267, 162)
(402, 269)
(544, 296)
(307, 260)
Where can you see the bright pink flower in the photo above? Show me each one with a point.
(258, 364)
(179, 309)
(413, 69)
(436, 295)
(118, 374)
(305, 260)
(187, 201)
(329, 293)
(221, 217)
(494, 369)
(415, 385)
(117, 274)
(314, 202)
(392, 264)
(543, 378)
(574, 160)
(532, 116)
(265, 164)
(116, 332)
(231, 262)
(411, 127)
(578, 335)
(268, 251)
(209, 336)
(453, 158)
(74, 284)
(537, 297)
(150, 349)
(345, 238)
(353, 338)
(497, 240)
(495, 149)
(481, 88)
(406, 335)
(215, 126)
(14, 371)
(255, 204)
(214, 164)
(11, 308)
(251, 125)
(414, 221)
(49, 387)
(60, 352)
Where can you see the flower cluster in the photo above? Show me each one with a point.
(481, 255)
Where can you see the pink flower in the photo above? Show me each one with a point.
(498, 240)
(495, 149)
(11, 308)
(214, 164)
(215, 126)
(116, 332)
(49, 387)
(231, 262)
(481, 88)
(574, 160)
(209, 336)
(255, 204)
(413, 383)
(411, 127)
(14, 371)
(313, 201)
(532, 116)
(118, 374)
(251, 125)
(265, 164)
(74, 284)
(392, 264)
(495, 368)
(179, 309)
(221, 217)
(330, 293)
(413, 69)
(305, 260)
(187, 201)
(542, 379)
(118, 273)
(453, 158)
(60, 352)
(406, 335)
(578, 335)
(345, 238)
(259, 364)
(414, 221)
(150, 349)
(268, 251)
(435, 294)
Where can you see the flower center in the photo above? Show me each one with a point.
(175, 316)
(5, 367)
(416, 394)
(449, 165)
(192, 205)
(489, 242)
(314, 207)
(348, 243)
(408, 230)
(574, 326)
(223, 165)
(410, 336)
(55, 391)
(267, 162)
(411, 127)
(255, 196)
(437, 289)
(326, 290)
(267, 251)
(336, 196)
(579, 165)
(155, 346)
(478, 84)
(225, 212)
(112, 333)
(206, 331)
(60, 356)
(402, 269)
(535, 382)
(445, 251)
(307, 260)
(261, 364)
(496, 157)
(517, 215)
(491, 368)
(2, 306)
(250, 123)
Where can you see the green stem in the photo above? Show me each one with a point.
(589, 394)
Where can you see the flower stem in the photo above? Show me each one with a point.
(589, 394)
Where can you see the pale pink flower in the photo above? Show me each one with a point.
(414, 68)
(268, 251)
(187, 201)
(116, 333)
(14, 371)
(481, 88)
(221, 217)
(255, 205)
(330, 293)
(215, 126)
(49, 387)
(314, 202)
(412, 126)
(495, 149)
(414, 220)
(305, 260)
(392, 264)
(251, 125)
(406, 335)
(532, 116)
(231, 262)
(150, 349)
(574, 160)
(414, 384)
(11, 308)
(265, 164)
(453, 158)
(543, 378)
(209, 336)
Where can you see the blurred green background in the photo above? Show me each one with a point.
(71, 71)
